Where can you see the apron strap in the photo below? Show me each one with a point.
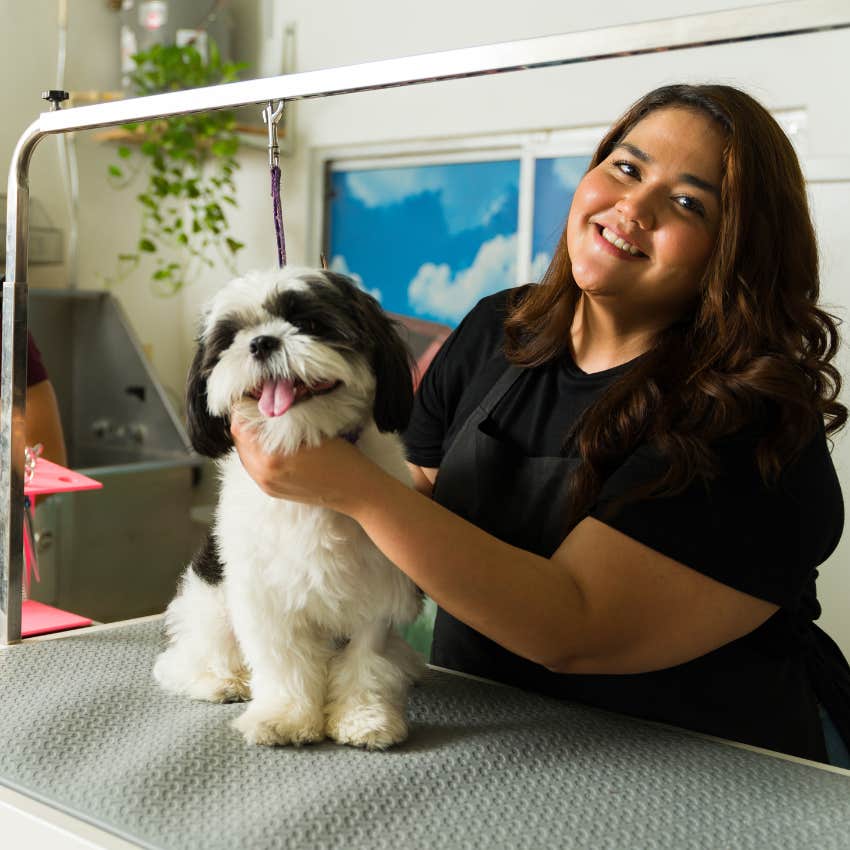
(506, 380)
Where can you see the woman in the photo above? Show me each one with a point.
(631, 487)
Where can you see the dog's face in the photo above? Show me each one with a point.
(302, 353)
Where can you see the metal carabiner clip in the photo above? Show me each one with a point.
(271, 117)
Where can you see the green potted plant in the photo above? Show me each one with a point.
(189, 160)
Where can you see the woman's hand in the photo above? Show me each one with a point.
(333, 475)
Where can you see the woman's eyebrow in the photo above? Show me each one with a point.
(691, 179)
(635, 151)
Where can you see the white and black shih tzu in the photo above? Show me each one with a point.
(290, 605)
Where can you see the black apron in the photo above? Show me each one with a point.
(522, 501)
(757, 689)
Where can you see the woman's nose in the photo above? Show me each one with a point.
(638, 206)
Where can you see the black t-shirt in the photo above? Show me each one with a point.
(765, 541)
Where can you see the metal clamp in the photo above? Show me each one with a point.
(56, 97)
(271, 118)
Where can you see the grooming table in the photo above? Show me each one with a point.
(84, 730)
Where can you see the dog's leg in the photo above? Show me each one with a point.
(367, 690)
(203, 659)
(288, 682)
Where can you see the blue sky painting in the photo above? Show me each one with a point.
(427, 241)
(555, 181)
(431, 240)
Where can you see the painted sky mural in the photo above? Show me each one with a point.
(431, 240)
(555, 181)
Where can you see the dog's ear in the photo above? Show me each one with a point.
(392, 363)
(389, 356)
(209, 435)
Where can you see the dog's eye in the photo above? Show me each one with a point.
(309, 326)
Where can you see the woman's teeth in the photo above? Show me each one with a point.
(620, 243)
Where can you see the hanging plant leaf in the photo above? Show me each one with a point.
(190, 161)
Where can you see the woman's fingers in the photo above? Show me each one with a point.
(328, 474)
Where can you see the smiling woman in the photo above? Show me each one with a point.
(643, 225)
(630, 483)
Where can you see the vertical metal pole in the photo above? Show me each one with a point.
(13, 381)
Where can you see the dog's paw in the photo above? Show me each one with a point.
(374, 726)
(189, 676)
(214, 688)
(279, 726)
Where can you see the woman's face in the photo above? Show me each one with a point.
(657, 195)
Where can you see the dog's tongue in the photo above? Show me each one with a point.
(277, 397)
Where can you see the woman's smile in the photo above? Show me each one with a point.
(617, 246)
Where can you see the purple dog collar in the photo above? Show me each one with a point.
(352, 436)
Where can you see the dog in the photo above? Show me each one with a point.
(290, 605)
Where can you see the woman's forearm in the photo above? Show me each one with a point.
(528, 604)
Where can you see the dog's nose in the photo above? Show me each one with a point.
(261, 347)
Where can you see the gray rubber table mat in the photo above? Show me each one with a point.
(83, 728)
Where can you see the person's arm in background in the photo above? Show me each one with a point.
(43, 424)
(42, 421)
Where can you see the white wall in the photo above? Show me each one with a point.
(801, 72)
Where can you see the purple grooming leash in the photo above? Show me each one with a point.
(271, 116)
(278, 217)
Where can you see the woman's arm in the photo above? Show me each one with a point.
(424, 478)
(43, 424)
(603, 603)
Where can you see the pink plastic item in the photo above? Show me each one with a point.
(36, 617)
(40, 619)
(52, 478)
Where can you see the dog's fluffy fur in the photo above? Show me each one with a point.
(289, 605)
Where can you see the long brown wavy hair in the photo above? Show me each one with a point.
(755, 348)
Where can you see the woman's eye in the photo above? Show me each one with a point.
(627, 168)
(689, 203)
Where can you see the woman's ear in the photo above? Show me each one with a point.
(209, 435)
